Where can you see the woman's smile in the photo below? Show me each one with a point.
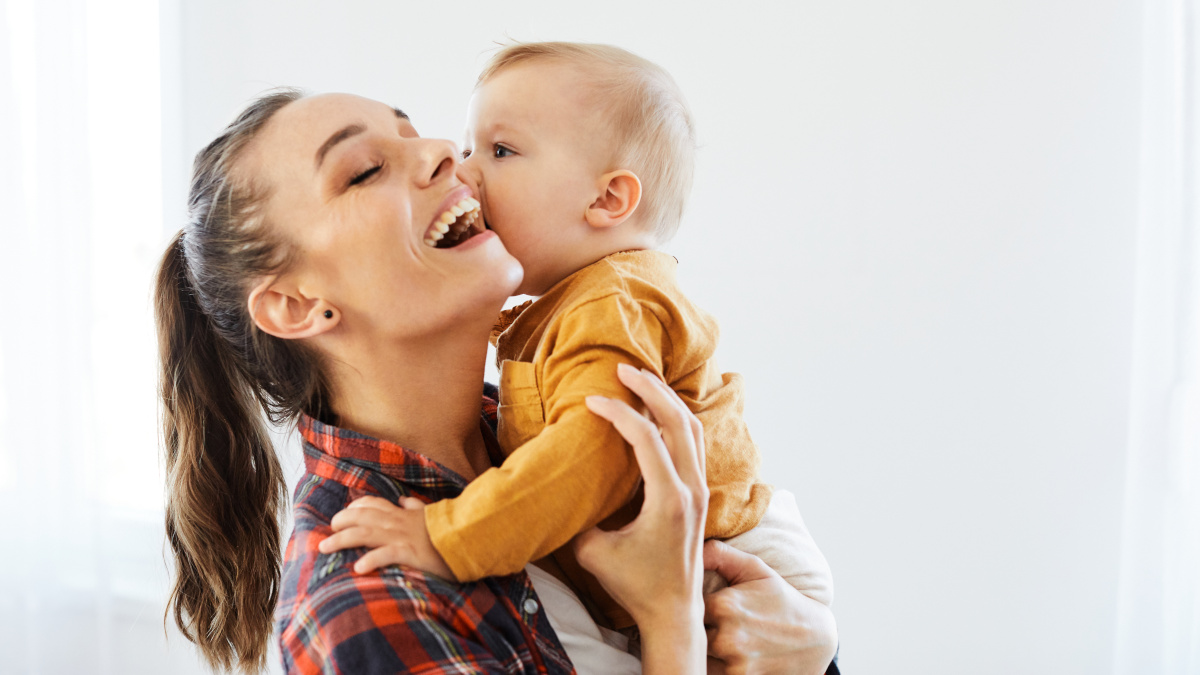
(459, 221)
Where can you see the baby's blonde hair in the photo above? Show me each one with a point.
(646, 112)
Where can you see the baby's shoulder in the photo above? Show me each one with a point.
(630, 278)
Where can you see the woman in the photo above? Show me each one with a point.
(302, 287)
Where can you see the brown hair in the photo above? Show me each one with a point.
(644, 108)
(218, 376)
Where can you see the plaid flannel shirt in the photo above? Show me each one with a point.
(396, 620)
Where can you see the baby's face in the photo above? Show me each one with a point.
(535, 152)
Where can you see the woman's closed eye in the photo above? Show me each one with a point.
(365, 175)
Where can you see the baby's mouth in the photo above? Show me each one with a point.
(455, 225)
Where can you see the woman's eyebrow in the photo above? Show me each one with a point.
(343, 134)
(337, 137)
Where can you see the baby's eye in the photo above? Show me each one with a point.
(466, 153)
(362, 177)
(500, 152)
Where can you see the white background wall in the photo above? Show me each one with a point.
(915, 221)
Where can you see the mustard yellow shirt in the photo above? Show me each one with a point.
(568, 469)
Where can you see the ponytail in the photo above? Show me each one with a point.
(225, 488)
(219, 377)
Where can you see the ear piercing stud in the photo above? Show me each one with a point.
(329, 314)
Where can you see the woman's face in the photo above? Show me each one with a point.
(358, 195)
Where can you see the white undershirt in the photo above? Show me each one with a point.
(593, 650)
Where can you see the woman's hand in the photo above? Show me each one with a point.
(395, 534)
(760, 624)
(653, 566)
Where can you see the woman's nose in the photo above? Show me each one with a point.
(439, 161)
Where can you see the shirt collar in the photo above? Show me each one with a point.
(506, 319)
(358, 461)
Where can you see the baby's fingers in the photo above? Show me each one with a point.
(381, 504)
(369, 516)
(348, 517)
(351, 537)
(371, 502)
(381, 557)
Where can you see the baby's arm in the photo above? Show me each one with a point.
(568, 478)
(577, 470)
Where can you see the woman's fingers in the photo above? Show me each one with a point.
(698, 436)
(736, 567)
(711, 633)
(674, 418)
(652, 456)
(652, 565)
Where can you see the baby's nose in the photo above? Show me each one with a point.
(468, 175)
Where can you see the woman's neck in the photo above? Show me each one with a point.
(422, 394)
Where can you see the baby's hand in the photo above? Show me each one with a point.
(396, 535)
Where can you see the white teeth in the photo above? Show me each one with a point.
(467, 209)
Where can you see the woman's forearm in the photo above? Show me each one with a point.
(653, 566)
(674, 644)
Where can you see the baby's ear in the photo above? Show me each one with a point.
(621, 192)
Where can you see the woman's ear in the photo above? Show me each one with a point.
(621, 192)
(281, 310)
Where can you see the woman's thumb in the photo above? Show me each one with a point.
(591, 546)
(734, 565)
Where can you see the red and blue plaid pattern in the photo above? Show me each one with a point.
(395, 620)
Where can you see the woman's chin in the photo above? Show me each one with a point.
(514, 275)
(504, 269)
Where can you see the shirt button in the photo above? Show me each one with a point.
(530, 606)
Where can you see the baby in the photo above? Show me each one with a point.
(582, 156)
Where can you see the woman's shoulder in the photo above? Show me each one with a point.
(314, 586)
(397, 619)
(326, 613)
(383, 622)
